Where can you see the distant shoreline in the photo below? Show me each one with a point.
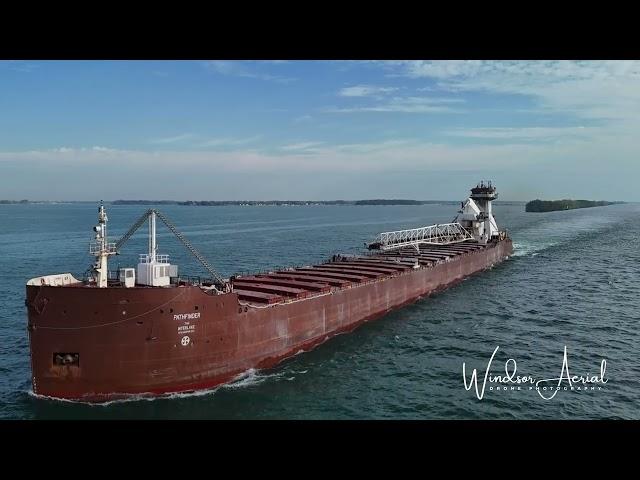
(541, 206)
(251, 203)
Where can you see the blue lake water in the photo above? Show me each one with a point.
(573, 281)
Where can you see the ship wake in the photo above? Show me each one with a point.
(524, 248)
(249, 378)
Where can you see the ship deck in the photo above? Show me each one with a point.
(341, 272)
(338, 273)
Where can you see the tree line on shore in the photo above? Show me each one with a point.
(566, 204)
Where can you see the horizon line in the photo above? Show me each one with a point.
(170, 201)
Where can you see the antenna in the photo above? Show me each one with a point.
(101, 248)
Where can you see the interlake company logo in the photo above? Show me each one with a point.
(547, 388)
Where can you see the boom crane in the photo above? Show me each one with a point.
(220, 283)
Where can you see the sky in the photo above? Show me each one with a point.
(318, 130)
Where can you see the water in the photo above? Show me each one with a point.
(572, 281)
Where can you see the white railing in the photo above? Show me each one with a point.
(58, 280)
(146, 258)
(442, 234)
(95, 248)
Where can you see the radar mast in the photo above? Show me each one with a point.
(101, 248)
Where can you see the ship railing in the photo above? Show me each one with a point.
(439, 234)
(146, 258)
(113, 277)
(192, 280)
(96, 247)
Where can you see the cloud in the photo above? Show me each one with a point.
(174, 139)
(593, 90)
(301, 146)
(77, 150)
(514, 73)
(197, 141)
(364, 91)
(18, 65)
(523, 133)
(356, 167)
(385, 156)
(397, 104)
(241, 69)
(229, 142)
(317, 165)
(104, 149)
(406, 105)
(302, 119)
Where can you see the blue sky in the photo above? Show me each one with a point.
(318, 129)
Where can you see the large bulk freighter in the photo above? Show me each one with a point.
(149, 330)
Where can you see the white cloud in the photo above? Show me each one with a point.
(315, 164)
(604, 90)
(407, 154)
(524, 133)
(77, 150)
(406, 105)
(240, 69)
(302, 119)
(174, 139)
(300, 146)
(18, 65)
(103, 149)
(197, 141)
(229, 142)
(365, 91)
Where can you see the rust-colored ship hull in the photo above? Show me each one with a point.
(125, 341)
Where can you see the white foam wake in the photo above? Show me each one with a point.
(246, 379)
(522, 249)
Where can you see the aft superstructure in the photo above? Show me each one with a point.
(476, 213)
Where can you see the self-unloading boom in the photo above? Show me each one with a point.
(474, 222)
(443, 234)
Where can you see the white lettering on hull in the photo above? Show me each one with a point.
(186, 316)
(186, 328)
